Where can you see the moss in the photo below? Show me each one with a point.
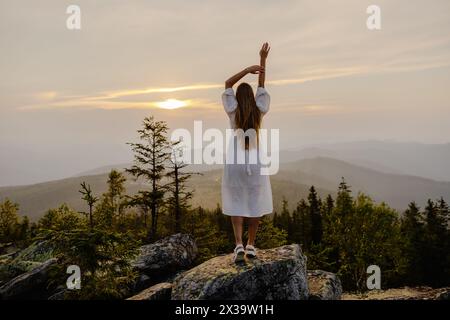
(39, 251)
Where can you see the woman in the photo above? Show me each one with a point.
(245, 192)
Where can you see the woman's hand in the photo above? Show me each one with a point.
(264, 52)
(256, 69)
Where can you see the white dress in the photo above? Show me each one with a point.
(245, 192)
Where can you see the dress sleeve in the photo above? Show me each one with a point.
(262, 99)
(229, 100)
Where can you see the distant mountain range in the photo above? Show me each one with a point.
(292, 182)
(22, 167)
(409, 158)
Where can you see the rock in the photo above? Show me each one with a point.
(166, 256)
(443, 294)
(160, 291)
(38, 251)
(142, 281)
(404, 293)
(15, 264)
(277, 274)
(8, 248)
(28, 285)
(324, 285)
(58, 294)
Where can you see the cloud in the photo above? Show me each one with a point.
(111, 100)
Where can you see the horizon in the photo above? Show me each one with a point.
(325, 147)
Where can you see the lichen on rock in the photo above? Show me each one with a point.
(277, 274)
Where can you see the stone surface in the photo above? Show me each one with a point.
(17, 263)
(166, 256)
(38, 251)
(276, 274)
(160, 291)
(405, 293)
(29, 284)
(324, 285)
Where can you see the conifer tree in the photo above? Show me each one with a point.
(436, 237)
(9, 219)
(412, 229)
(150, 159)
(315, 216)
(90, 199)
(178, 201)
(109, 210)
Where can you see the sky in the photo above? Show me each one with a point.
(71, 99)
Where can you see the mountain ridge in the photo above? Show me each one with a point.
(292, 182)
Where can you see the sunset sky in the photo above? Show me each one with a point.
(70, 100)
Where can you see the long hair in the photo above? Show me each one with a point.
(247, 114)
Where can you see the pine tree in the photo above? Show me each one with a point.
(412, 229)
(202, 225)
(301, 230)
(109, 210)
(344, 200)
(436, 237)
(90, 200)
(116, 192)
(315, 216)
(328, 206)
(284, 219)
(269, 236)
(150, 159)
(178, 200)
(9, 219)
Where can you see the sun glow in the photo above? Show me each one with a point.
(171, 104)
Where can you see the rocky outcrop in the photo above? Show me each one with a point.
(405, 293)
(166, 256)
(38, 251)
(160, 291)
(19, 262)
(277, 274)
(324, 285)
(29, 284)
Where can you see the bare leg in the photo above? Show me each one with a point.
(237, 228)
(253, 224)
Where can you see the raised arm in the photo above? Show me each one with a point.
(256, 69)
(263, 53)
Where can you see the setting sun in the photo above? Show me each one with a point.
(171, 104)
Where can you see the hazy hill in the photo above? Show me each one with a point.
(409, 158)
(395, 189)
(35, 199)
(293, 182)
(417, 159)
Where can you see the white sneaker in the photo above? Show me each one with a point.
(250, 251)
(239, 253)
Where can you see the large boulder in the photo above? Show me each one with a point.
(28, 285)
(160, 291)
(166, 256)
(324, 285)
(276, 274)
(19, 262)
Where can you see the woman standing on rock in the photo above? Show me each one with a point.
(245, 192)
